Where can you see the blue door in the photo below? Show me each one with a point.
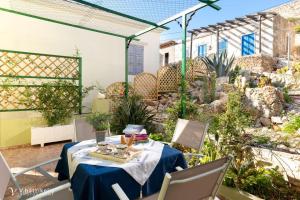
(248, 44)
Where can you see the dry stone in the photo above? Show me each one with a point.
(267, 100)
(256, 63)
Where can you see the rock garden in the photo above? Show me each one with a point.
(253, 115)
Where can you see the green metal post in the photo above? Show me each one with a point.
(126, 68)
(183, 68)
(80, 85)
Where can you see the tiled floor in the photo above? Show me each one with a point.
(23, 157)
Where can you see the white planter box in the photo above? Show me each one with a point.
(42, 135)
(297, 40)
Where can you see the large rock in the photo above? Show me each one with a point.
(267, 100)
(256, 63)
(283, 80)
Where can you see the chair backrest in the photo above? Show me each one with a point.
(199, 182)
(5, 176)
(83, 130)
(190, 133)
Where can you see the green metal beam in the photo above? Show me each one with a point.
(38, 77)
(177, 16)
(80, 85)
(62, 23)
(126, 68)
(118, 13)
(38, 54)
(183, 68)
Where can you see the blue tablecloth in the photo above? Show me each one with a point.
(94, 182)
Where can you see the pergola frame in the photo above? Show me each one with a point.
(183, 15)
(232, 24)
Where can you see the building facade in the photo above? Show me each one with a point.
(270, 33)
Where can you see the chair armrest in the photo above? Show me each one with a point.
(120, 193)
(178, 168)
(193, 154)
(36, 166)
(51, 192)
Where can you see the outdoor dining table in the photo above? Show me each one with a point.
(94, 181)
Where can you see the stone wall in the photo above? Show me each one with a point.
(256, 63)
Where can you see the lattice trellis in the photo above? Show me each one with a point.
(38, 65)
(167, 79)
(145, 84)
(27, 66)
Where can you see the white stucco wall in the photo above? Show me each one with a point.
(234, 38)
(103, 55)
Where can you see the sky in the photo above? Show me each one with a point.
(230, 10)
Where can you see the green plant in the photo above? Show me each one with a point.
(265, 183)
(293, 125)
(297, 29)
(296, 67)
(282, 70)
(99, 121)
(234, 74)
(286, 96)
(156, 136)
(220, 64)
(264, 81)
(132, 110)
(57, 101)
(174, 112)
(209, 88)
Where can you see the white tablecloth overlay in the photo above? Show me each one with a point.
(139, 168)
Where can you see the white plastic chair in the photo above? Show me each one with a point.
(190, 134)
(61, 192)
(83, 130)
(199, 182)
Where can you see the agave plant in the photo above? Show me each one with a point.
(132, 110)
(220, 64)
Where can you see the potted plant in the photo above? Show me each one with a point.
(297, 35)
(100, 122)
(57, 102)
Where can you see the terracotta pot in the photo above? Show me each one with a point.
(100, 136)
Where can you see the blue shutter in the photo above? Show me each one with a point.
(223, 44)
(202, 50)
(248, 44)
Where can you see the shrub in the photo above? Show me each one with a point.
(156, 136)
(297, 29)
(209, 88)
(174, 112)
(296, 67)
(99, 121)
(57, 101)
(234, 74)
(282, 70)
(132, 110)
(220, 64)
(243, 173)
(293, 125)
(264, 81)
(286, 96)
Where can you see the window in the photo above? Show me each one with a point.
(166, 58)
(248, 44)
(135, 59)
(202, 50)
(223, 44)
